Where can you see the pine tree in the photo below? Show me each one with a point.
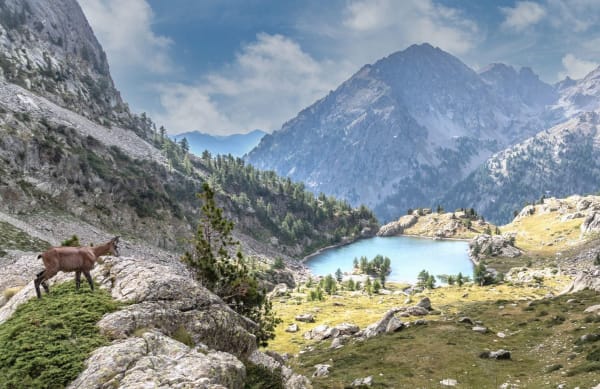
(228, 277)
(185, 146)
(338, 275)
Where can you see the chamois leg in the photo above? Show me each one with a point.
(88, 277)
(77, 279)
(36, 283)
(45, 285)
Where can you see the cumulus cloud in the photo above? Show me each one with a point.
(124, 29)
(522, 15)
(271, 79)
(379, 27)
(576, 68)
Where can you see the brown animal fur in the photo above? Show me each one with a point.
(72, 259)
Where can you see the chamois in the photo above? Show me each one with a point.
(69, 259)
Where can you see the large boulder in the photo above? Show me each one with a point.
(159, 361)
(583, 280)
(168, 300)
(494, 245)
(382, 325)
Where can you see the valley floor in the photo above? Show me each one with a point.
(540, 331)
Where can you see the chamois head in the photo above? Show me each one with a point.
(114, 246)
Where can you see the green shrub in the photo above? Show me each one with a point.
(45, 343)
(73, 241)
(259, 377)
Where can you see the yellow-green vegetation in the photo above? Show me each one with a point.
(455, 225)
(8, 293)
(45, 342)
(13, 238)
(363, 309)
(544, 234)
(544, 338)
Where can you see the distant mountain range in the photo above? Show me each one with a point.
(401, 132)
(236, 145)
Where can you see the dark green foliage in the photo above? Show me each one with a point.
(597, 259)
(45, 342)
(286, 210)
(338, 275)
(375, 267)
(73, 241)
(260, 377)
(425, 280)
(225, 275)
(482, 276)
(328, 284)
(278, 264)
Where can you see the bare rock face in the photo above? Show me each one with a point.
(494, 245)
(159, 361)
(169, 301)
(398, 227)
(50, 49)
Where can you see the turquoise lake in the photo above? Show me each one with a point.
(408, 256)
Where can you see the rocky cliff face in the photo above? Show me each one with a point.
(50, 49)
(405, 129)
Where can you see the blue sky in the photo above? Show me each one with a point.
(230, 66)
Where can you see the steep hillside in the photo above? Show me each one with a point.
(404, 129)
(236, 145)
(50, 49)
(62, 172)
(558, 162)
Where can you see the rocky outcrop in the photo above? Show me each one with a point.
(584, 280)
(291, 380)
(159, 361)
(591, 223)
(397, 227)
(170, 301)
(493, 245)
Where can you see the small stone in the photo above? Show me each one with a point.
(336, 343)
(449, 382)
(367, 381)
(480, 329)
(501, 335)
(499, 354)
(419, 322)
(424, 303)
(306, 318)
(465, 319)
(322, 370)
(394, 325)
(347, 328)
(572, 301)
(592, 309)
(292, 328)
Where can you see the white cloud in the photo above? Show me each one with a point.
(124, 30)
(380, 27)
(523, 15)
(270, 80)
(576, 68)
